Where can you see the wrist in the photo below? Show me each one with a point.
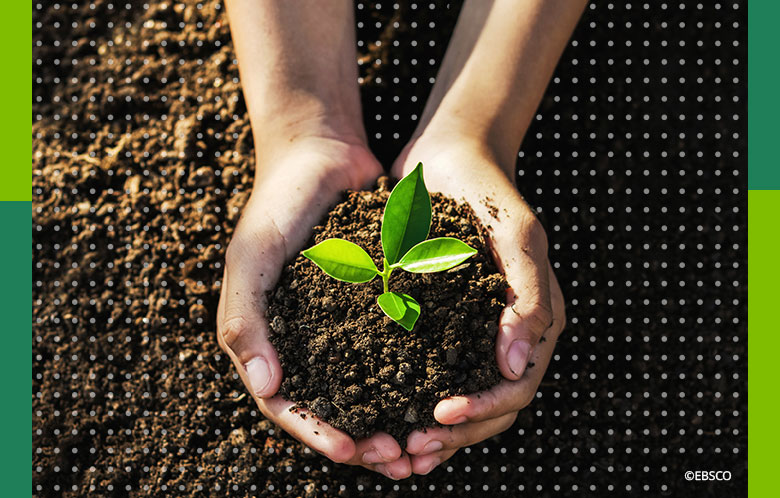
(486, 135)
(333, 161)
(303, 121)
(470, 141)
(284, 125)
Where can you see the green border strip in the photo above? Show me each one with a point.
(16, 88)
(763, 239)
(763, 101)
(15, 250)
(763, 341)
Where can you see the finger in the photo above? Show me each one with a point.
(379, 448)
(507, 396)
(398, 469)
(424, 464)
(523, 256)
(438, 439)
(308, 429)
(242, 329)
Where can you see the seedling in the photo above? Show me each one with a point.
(405, 226)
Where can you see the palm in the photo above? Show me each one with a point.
(293, 191)
(534, 300)
(296, 189)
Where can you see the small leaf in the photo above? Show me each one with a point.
(407, 217)
(343, 260)
(436, 255)
(400, 307)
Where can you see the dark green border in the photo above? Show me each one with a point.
(16, 353)
(763, 100)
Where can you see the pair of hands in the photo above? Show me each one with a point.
(294, 188)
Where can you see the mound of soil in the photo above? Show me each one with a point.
(357, 369)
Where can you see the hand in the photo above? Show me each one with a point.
(294, 187)
(464, 169)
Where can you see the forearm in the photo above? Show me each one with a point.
(499, 61)
(298, 68)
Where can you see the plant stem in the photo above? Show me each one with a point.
(386, 271)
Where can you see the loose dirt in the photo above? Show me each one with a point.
(357, 369)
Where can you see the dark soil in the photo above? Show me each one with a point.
(356, 368)
(143, 158)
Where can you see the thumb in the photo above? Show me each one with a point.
(529, 311)
(242, 328)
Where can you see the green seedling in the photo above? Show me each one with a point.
(405, 226)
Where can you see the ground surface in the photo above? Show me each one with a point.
(142, 159)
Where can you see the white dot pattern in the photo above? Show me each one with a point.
(142, 159)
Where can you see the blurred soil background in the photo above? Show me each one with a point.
(143, 159)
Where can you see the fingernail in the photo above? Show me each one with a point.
(518, 355)
(431, 447)
(383, 470)
(372, 456)
(434, 463)
(459, 420)
(381, 456)
(259, 374)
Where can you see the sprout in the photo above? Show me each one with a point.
(405, 226)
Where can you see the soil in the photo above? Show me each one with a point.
(143, 158)
(354, 367)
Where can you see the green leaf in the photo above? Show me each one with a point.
(407, 217)
(436, 255)
(343, 260)
(400, 307)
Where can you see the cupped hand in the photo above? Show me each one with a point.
(294, 187)
(533, 318)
